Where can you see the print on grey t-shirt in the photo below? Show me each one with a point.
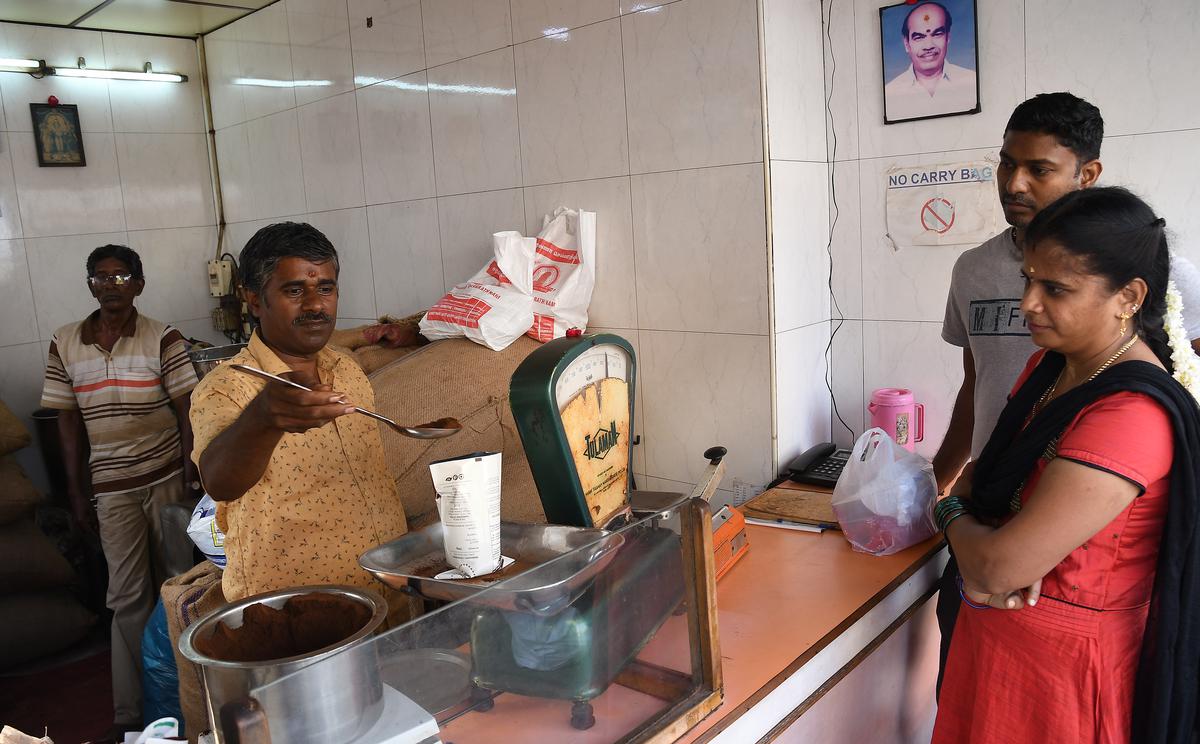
(997, 318)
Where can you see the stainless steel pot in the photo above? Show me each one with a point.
(336, 703)
(206, 359)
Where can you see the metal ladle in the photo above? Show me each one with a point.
(447, 427)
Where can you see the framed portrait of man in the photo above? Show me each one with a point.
(56, 134)
(930, 60)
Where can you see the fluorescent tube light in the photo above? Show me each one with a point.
(20, 65)
(148, 74)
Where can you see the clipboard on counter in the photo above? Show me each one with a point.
(790, 503)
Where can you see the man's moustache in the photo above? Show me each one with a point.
(1018, 202)
(312, 318)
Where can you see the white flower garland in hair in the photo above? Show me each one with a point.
(1183, 358)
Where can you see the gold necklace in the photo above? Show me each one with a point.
(1050, 390)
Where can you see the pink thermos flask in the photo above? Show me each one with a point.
(895, 411)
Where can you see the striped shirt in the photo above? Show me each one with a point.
(124, 397)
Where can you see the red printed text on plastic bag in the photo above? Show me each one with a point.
(543, 328)
(494, 271)
(555, 253)
(463, 311)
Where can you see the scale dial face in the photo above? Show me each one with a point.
(592, 394)
(600, 362)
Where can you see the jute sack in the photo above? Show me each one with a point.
(13, 434)
(187, 598)
(29, 560)
(455, 377)
(37, 624)
(18, 497)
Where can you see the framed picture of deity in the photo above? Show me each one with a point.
(930, 59)
(56, 134)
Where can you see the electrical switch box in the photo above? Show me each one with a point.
(220, 277)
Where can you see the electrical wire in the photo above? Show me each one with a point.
(838, 319)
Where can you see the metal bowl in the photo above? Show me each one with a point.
(334, 705)
(544, 590)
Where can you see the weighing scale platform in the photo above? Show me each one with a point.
(401, 722)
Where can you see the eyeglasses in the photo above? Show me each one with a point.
(119, 280)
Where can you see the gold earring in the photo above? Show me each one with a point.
(1124, 326)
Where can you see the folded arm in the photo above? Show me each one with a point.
(1072, 502)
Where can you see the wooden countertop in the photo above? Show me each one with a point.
(788, 599)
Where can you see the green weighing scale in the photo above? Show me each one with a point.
(573, 401)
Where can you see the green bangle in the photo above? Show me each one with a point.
(946, 506)
(946, 523)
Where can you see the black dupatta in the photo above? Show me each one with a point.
(1168, 679)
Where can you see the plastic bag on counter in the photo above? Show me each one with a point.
(204, 531)
(564, 273)
(494, 307)
(884, 498)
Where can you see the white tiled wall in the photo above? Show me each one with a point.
(799, 223)
(895, 298)
(415, 136)
(147, 184)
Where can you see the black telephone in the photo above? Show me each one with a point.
(819, 466)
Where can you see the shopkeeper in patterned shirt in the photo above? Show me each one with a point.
(301, 486)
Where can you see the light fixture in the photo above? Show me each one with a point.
(82, 71)
(21, 65)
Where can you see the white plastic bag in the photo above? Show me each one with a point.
(564, 273)
(204, 531)
(494, 307)
(885, 495)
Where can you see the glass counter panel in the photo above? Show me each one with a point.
(609, 649)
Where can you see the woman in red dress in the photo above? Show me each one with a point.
(1075, 534)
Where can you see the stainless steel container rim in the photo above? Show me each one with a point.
(215, 353)
(366, 596)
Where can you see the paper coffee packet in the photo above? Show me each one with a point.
(468, 501)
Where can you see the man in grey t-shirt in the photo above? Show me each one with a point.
(1051, 147)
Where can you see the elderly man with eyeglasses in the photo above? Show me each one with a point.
(123, 380)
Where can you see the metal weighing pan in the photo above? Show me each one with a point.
(401, 563)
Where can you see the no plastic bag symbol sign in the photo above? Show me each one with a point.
(937, 215)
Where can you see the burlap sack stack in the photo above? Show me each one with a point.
(39, 614)
(459, 378)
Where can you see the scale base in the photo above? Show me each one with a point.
(401, 722)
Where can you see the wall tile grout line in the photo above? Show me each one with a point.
(437, 207)
(12, 165)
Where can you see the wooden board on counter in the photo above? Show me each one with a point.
(794, 502)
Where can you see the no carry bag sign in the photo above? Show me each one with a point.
(954, 203)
